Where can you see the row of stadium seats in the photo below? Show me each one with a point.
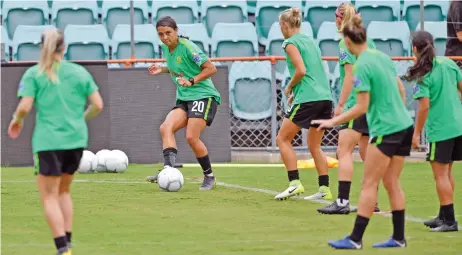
(210, 12)
(91, 42)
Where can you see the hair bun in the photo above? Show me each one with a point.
(295, 11)
(357, 21)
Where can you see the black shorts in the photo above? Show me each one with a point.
(55, 163)
(205, 108)
(396, 144)
(446, 151)
(359, 125)
(302, 114)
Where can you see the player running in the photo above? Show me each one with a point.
(197, 99)
(440, 109)
(353, 132)
(390, 129)
(309, 98)
(59, 90)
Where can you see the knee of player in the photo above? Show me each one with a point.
(280, 139)
(370, 183)
(192, 139)
(165, 129)
(343, 150)
(391, 183)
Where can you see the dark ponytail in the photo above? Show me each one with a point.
(423, 42)
(168, 21)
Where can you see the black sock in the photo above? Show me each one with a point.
(398, 225)
(170, 156)
(205, 164)
(61, 242)
(68, 236)
(440, 214)
(360, 226)
(344, 190)
(323, 180)
(293, 175)
(448, 214)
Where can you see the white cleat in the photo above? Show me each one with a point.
(291, 191)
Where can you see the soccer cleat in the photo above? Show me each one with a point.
(295, 188)
(346, 243)
(433, 223)
(323, 193)
(391, 243)
(445, 227)
(153, 178)
(335, 208)
(208, 183)
(64, 251)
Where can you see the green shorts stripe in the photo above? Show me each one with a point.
(294, 112)
(36, 164)
(350, 124)
(207, 110)
(379, 140)
(432, 151)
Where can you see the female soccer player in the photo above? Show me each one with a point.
(197, 99)
(353, 132)
(390, 130)
(59, 90)
(440, 109)
(310, 98)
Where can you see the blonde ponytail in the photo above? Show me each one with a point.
(292, 16)
(346, 11)
(52, 44)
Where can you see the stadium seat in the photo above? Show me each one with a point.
(229, 11)
(73, 12)
(145, 37)
(391, 38)
(234, 40)
(197, 34)
(433, 11)
(6, 47)
(26, 42)
(267, 13)
(32, 13)
(378, 10)
(251, 6)
(86, 42)
(328, 40)
(439, 32)
(118, 12)
(250, 89)
(275, 39)
(317, 12)
(184, 12)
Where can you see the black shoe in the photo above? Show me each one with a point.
(334, 208)
(433, 223)
(446, 227)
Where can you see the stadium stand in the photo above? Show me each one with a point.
(26, 42)
(16, 13)
(67, 12)
(439, 32)
(316, 12)
(197, 33)
(390, 37)
(229, 11)
(86, 42)
(433, 11)
(328, 39)
(6, 45)
(145, 37)
(118, 12)
(234, 40)
(376, 10)
(184, 12)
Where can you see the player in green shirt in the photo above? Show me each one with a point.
(440, 109)
(353, 132)
(309, 98)
(390, 130)
(197, 99)
(59, 91)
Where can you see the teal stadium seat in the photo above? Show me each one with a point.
(433, 11)
(274, 45)
(317, 12)
(250, 89)
(86, 42)
(392, 38)
(68, 12)
(118, 12)
(439, 32)
(378, 10)
(251, 6)
(197, 34)
(7, 43)
(328, 40)
(32, 13)
(268, 12)
(234, 40)
(26, 42)
(145, 37)
(184, 12)
(229, 11)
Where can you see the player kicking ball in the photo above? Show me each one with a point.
(197, 99)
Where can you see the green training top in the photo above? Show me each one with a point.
(375, 73)
(346, 57)
(186, 61)
(59, 122)
(314, 86)
(440, 86)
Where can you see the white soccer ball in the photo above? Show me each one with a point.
(170, 179)
(116, 161)
(87, 162)
(101, 160)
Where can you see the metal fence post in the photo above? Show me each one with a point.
(274, 106)
(422, 15)
(132, 30)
